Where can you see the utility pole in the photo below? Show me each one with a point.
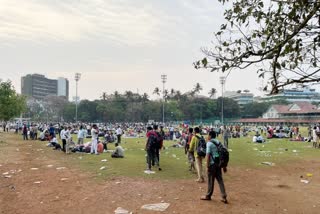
(164, 80)
(77, 78)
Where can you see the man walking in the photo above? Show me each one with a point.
(226, 135)
(81, 135)
(193, 149)
(214, 169)
(63, 138)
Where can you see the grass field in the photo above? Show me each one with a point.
(173, 161)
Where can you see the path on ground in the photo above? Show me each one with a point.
(40, 184)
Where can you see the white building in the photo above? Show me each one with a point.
(240, 98)
(63, 87)
(294, 95)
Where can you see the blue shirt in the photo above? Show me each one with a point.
(212, 150)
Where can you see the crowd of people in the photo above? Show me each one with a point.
(191, 139)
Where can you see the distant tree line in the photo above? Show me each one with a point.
(135, 107)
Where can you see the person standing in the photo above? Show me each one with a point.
(63, 138)
(119, 133)
(94, 134)
(190, 155)
(226, 135)
(81, 135)
(25, 132)
(193, 149)
(158, 146)
(67, 135)
(214, 169)
(150, 147)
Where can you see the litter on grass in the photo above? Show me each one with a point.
(268, 163)
(103, 167)
(149, 172)
(156, 207)
(104, 160)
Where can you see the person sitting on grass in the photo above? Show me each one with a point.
(118, 152)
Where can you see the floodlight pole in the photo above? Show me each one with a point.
(77, 78)
(222, 81)
(164, 79)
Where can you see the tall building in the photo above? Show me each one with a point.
(63, 87)
(38, 86)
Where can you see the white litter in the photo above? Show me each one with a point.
(174, 156)
(304, 181)
(294, 151)
(59, 168)
(64, 179)
(120, 210)
(8, 176)
(5, 173)
(37, 182)
(34, 168)
(118, 182)
(149, 172)
(49, 166)
(104, 160)
(102, 168)
(230, 150)
(268, 163)
(156, 207)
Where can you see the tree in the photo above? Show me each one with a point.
(212, 92)
(283, 34)
(11, 103)
(54, 106)
(156, 91)
(239, 91)
(104, 96)
(197, 88)
(246, 91)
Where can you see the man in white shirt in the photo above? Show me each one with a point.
(63, 138)
(94, 134)
(119, 133)
(67, 135)
(81, 135)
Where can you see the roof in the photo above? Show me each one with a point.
(273, 120)
(296, 108)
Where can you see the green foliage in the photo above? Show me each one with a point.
(282, 34)
(11, 104)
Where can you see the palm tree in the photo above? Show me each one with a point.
(156, 91)
(145, 97)
(116, 94)
(212, 92)
(246, 91)
(239, 91)
(197, 88)
(166, 94)
(104, 96)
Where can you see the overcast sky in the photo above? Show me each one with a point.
(115, 44)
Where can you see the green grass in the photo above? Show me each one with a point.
(174, 162)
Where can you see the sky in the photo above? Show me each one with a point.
(115, 44)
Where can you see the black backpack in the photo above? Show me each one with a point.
(223, 153)
(202, 146)
(153, 141)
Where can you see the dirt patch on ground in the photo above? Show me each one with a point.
(38, 184)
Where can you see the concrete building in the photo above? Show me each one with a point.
(38, 86)
(294, 95)
(240, 98)
(63, 87)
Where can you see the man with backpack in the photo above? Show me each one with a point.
(197, 146)
(217, 159)
(152, 148)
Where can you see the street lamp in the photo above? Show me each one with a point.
(164, 79)
(222, 81)
(77, 78)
